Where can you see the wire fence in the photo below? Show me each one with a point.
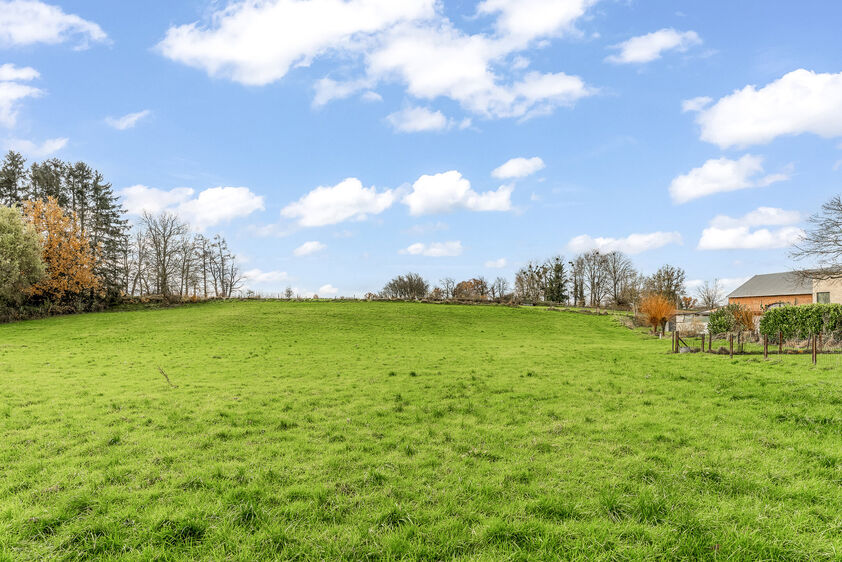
(753, 343)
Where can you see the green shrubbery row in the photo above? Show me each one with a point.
(802, 321)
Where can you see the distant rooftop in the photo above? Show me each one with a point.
(774, 284)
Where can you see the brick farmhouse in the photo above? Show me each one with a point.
(781, 289)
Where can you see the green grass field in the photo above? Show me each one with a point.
(320, 430)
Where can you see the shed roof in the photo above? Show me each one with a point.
(774, 284)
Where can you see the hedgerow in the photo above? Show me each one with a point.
(802, 321)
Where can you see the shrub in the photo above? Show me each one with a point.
(656, 310)
(731, 318)
(802, 321)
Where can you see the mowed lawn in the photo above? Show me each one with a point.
(321, 430)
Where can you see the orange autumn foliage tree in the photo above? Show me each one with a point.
(656, 309)
(66, 252)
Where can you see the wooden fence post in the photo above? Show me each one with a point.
(676, 341)
(731, 345)
(765, 346)
(710, 343)
(780, 343)
(814, 349)
(703, 342)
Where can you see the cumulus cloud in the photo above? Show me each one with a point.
(518, 168)
(435, 250)
(729, 233)
(744, 238)
(260, 277)
(632, 244)
(12, 91)
(210, 207)
(722, 175)
(448, 191)
(496, 264)
(127, 121)
(411, 42)
(25, 22)
(762, 216)
(649, 47)
(328, 289)
(418, 119)
(10, 72)
(256, 43)
(347, 200)
(525, 20)
(35, 150)
(800, 102)
(308, 248)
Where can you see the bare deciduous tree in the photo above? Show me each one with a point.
(822, 243)
(409, 286)
(448, 284)
(710, 294)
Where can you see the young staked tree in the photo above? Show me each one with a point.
(20, 257)
(67, 254)
(656, 310)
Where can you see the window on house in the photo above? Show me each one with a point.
(823, 298)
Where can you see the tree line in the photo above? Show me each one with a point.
(66, 242)
(590, 279)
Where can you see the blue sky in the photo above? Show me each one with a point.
(338, 143)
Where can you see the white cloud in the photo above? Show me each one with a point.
(418, 119)
(260, 277)
(308, 248)
(127, 121)
(256, 43)
(800, 102)
(762, 216)
(649, 47)
(722, 175)
(328, 290)
(211, 207)
(743, 238)
(518, 168)
(34, 150)
(496, 264)
(10, 94)
(347, 200)
(25, 22)
(445, 192)
(371, 96)
(435, 250)
(410, 41)
(632, 244)
(695, 104)
(728, 233)
(525, 20)
(10, 72)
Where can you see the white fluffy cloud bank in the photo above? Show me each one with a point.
(632, 244)
(347, 200)
(800, 102)
(722, 175)
(449, 191)
(25, 22)
(518, 168)
(741, 233)
(418, 119)
(209, 208)
(409, 41)
(649, 47)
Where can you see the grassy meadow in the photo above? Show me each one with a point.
(339, 430)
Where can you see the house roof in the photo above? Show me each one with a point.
(773, 285)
